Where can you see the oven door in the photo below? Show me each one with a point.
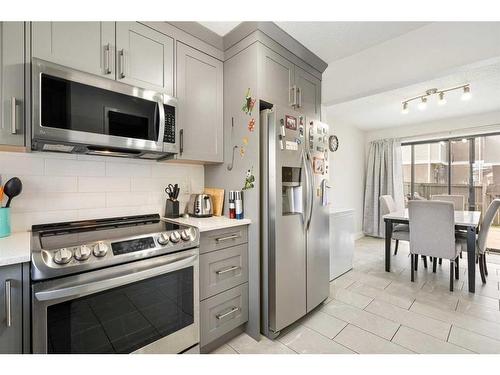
(148, 306)
(74, 107)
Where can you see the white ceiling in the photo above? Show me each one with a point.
(384, 110)
(335, 40)
(221, 28)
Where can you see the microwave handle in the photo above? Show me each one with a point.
(161, 127)
(125, 277)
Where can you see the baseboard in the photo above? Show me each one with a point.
(358, 235)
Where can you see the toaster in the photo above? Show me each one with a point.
(200, 205)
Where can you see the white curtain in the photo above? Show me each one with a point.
(384, 176)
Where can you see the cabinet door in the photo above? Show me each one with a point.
(11, 309)
(85, 46)
(309, 96)
(199, 92)
(145, 57)
(12, 83)
(277, 78)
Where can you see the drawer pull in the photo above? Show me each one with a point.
(8, 301)
(233, 268)
(232, 311)
(227, 238)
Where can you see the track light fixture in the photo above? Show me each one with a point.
(422, 105)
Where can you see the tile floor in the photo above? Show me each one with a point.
(372, 311)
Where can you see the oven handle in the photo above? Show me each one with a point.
(123, 278)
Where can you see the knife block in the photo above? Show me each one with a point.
(172, 209)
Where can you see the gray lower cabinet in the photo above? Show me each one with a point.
(85, 46)
(12, 83)
(145, 57)
(11, 325)
(200, 96)
(223, 282)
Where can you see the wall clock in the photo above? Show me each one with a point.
(333, 143)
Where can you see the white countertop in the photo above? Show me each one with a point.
(205, 224)
(15, 248)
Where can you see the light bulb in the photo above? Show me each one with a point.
(423, 104)
(441, 100)
(466, 95)
(405, 109)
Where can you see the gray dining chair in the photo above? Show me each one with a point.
(482, 237)
(457, 200)
(400, 232)
(432, 233)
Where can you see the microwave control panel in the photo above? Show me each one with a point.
(169, 136)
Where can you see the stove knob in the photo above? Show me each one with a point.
(82, 253)
(185, 235)
(100, 249)
(175, 237)
(163, 238)
(63, 256)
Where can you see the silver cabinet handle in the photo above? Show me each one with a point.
(13, 119)
(107, 59)
(231, 237)
(299, 91)
(122, 63)
(8, 300)
(294, 96)
(226, 270)
(181, 141)
(232, 311)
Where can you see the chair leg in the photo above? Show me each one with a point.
(434, 264)
(415, 264)
(481, 268)
(452, 267)
(396, 249)
(485, 267)
(425, 261)
(440, 261)
(412, 269)
(456, 268)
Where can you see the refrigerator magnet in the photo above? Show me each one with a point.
(291, 122)
(248, 104)
(318, 165)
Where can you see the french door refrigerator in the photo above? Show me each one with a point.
(295, 217)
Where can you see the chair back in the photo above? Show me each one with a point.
(387, 205)
(457, 200)
(486, 224)
(432, 228)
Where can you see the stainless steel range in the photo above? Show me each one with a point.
(118, 285)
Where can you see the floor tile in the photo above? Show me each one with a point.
(478, 311)
(224, 349)
(381, 295)
(350, 298)
(325, 324)
(342, 281)
(435, 297)
(304, 340)
(364, 342)
(363, 319)
(411, 319)
(473, 341)
(244, 344)
(421, 343)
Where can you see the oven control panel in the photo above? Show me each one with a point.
(124, 247)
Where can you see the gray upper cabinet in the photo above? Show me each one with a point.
(11, 326)
(86, 46)
(200, 118)
(12, 83)
(145, 57)
(277, 78)
(309, 93)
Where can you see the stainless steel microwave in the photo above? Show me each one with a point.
(77, 112)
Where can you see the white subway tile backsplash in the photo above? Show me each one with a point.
(60, 187)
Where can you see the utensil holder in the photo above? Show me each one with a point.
(172, 209)
(5, 222)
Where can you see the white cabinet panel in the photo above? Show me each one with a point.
(199, 92)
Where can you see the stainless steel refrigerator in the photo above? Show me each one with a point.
(295, 217)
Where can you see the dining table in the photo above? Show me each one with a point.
(464, 220)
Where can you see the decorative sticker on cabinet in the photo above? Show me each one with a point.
(249, 180)
(242, 152)
(251, 125)
(245, 141)
(318, 165)
(249, 103)
(291, 122)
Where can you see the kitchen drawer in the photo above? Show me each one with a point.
(222, 238)
(223, 269)
(223, 313)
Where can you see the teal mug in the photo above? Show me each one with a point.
(4, 222)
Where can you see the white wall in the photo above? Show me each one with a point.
(347, 167)
(59, 187)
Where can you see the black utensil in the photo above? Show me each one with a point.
(12, 189)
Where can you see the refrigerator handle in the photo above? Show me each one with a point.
(306, 188)
(310, 190)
